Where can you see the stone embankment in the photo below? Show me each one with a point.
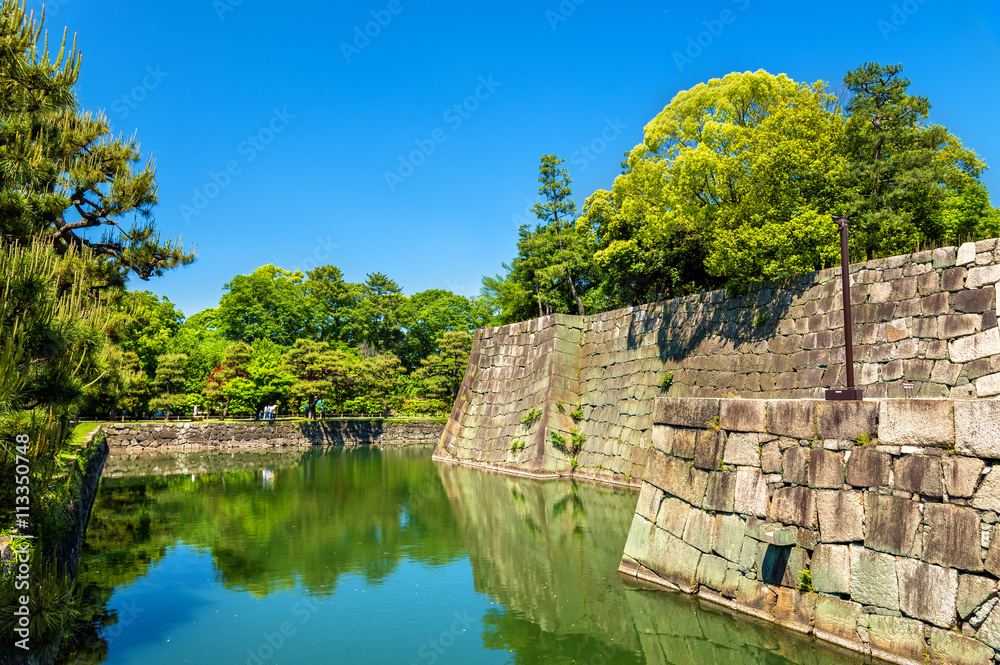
(166, 436)
(872, 525)
(928, 318)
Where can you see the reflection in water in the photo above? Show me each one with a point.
(378, 555)
(548, 551)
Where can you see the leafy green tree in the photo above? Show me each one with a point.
(320, 372)
(376, 317)
(442, 372)
(152, 322)
(382, 380)
(199, 338)
(332, 301)
(168, 384)
(425, 316)
(218, 392)
(269, 303)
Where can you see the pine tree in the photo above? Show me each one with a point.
(63, 176)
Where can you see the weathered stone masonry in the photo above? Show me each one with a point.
(873, 525)
(930, 318)
(151, 436)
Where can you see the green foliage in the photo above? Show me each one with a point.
(266, 304)
(429, 316)
(441, 373)
(517, 446)
(760, 319)
(576, 415)
(531, 417)
(714, 424)
(805, 581)
(864, 440)
(667, 381)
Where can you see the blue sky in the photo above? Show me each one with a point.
(274, 126)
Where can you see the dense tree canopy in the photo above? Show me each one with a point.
(736, 180)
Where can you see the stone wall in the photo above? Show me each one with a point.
(152, 436)
(873, 525)
(929, 318)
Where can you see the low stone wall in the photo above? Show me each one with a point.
(153, 436)
(873, 525)
(69, 547)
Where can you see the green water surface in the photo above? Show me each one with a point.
(366, 555)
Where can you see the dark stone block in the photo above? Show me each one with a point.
(920, 474)
(792, 418)
(953, 280)
(975, 300)
(846, 420)
(721, 493)
(826, 469)
(892, 524)
(868, 467)
(793, 465)
(793, 505)
(708, 450)
(952, 537)
(686, 412)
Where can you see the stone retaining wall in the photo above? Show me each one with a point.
(873, 525)
(152, 436)
(929, 318)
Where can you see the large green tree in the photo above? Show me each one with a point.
(425, 316)
(909, 183)
(442, 372)
(269, 303)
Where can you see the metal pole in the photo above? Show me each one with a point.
(852, 392)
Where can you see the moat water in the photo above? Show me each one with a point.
(369, 555)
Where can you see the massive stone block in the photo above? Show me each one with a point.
(675, 477)
(793, 466)
(721, 493)
(794, 505)
(896, 636)
(831, 569)
(698, 530)
(961, 475)
(927, 592)
(952, 537)
(868, 467)
(673, 559)
(742, 415)
(846, 420)
(672, 516)
(919, 474)
(650, 498)
(841, 516)
(826, 469)
(685, 412)
(742, 449)
(837, 620)
(973, 347)
(792, 418)
(917, 422)
(892, 524)
(873, 578)
(708, 451)
(977, 428)
(728, 532)
(751, 493)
